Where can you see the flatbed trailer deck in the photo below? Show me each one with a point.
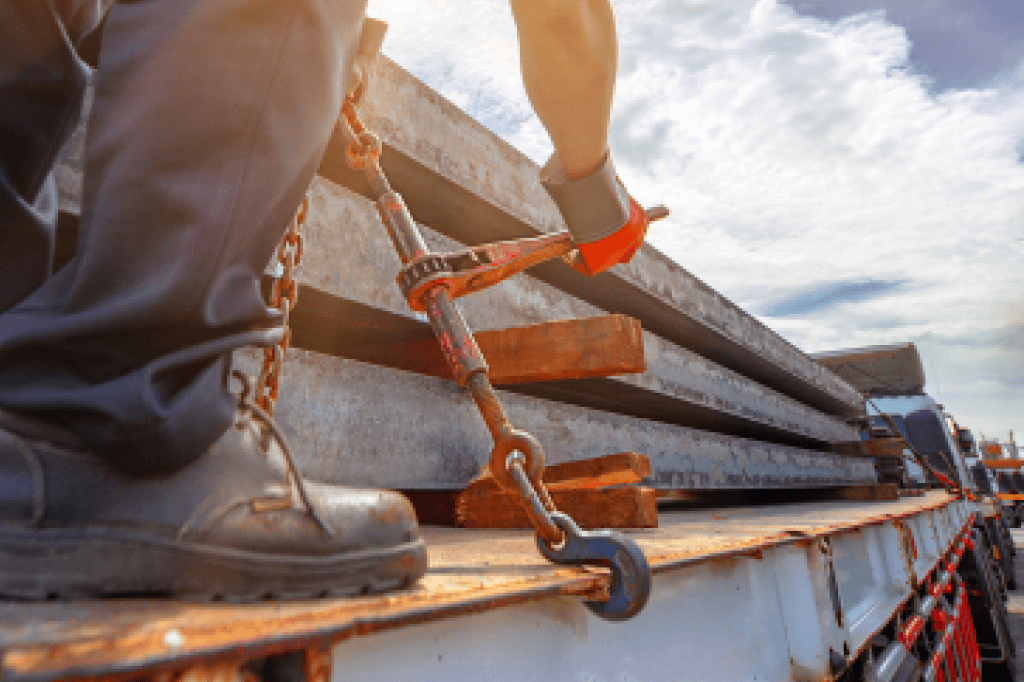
(781, 592)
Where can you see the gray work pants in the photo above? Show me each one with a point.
(209, 121)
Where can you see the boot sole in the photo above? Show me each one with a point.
(89, 563)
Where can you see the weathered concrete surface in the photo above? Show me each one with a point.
(462, 180)
(360, 424)
(348, 254)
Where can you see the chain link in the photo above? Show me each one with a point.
(284, 296)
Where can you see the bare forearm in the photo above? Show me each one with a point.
(569, 55)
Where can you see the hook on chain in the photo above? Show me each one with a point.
(562, 541)
(631, 575)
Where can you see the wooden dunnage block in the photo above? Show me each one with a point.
(598, 493)
(569, 349)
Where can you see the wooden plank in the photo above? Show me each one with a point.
(598, 493)
(622, 468)
(633, 463)
(883, 447)
(439, 507)
(1003, 463)
(880, 491)
(625, 507)
(569, 349)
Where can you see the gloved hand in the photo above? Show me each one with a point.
(607, 225)
(616, 248)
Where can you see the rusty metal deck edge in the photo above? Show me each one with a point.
(30, 663)
(670, 562)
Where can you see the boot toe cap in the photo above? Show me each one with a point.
(365, 518)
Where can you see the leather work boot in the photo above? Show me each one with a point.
(238, 523)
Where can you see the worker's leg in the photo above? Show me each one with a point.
(209, 121)
(41, 85)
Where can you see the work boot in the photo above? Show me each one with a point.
(238, 523)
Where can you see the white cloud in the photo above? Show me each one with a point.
(794, 153)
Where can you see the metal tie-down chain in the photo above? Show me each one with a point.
(284, 296)
(430, 283)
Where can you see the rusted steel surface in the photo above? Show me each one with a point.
(461, 179)
(46, 641)
(878, 370)
(359, 424)
(471, 571)
(344, 234)
(722, 532)
(566, 349)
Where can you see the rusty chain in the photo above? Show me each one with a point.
(284, 296)
(514, 451)
(517, 458)
(289, 253)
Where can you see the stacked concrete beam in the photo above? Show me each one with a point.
(463, 181)
(724, 403)
(344, 234)
(360, 424)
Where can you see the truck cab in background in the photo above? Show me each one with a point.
(935, 447)
(891, 379)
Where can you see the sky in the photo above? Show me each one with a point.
(851, 172)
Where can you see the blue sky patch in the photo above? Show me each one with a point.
(956, 44)
(824, 296)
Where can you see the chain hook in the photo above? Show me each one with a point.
(631, 575)
(562, 541)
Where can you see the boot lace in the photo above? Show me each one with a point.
(271, 427)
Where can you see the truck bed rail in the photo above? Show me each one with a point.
(733, 588)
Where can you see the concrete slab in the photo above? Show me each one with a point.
(349, 255)
(361, 424)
